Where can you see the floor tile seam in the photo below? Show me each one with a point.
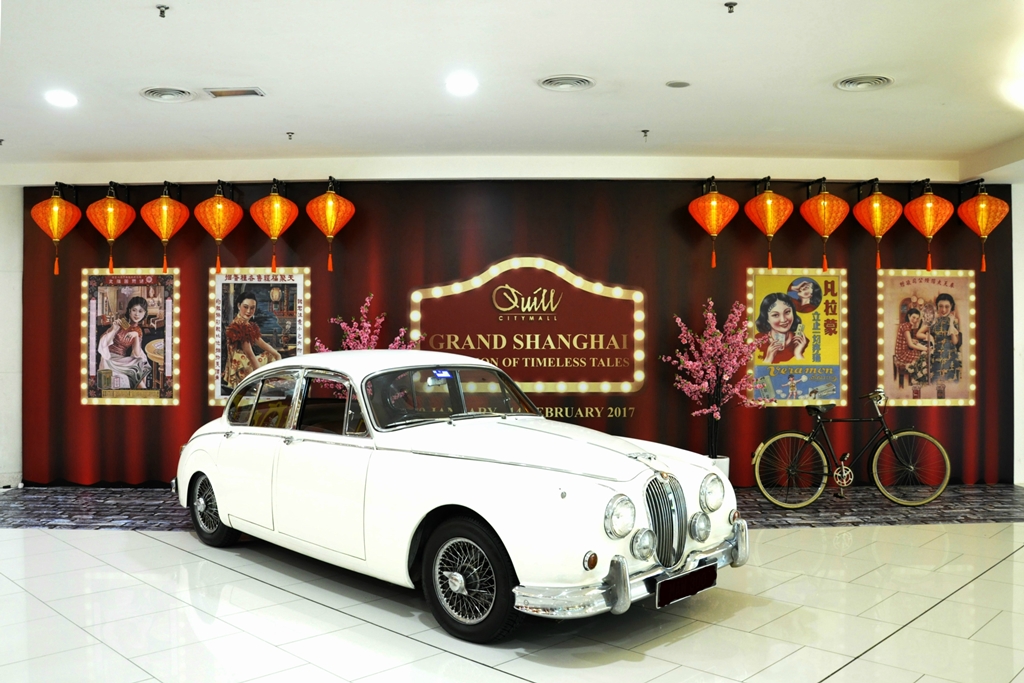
(80, 595)
(184, 605)
(290, 642)
(989, 621)
(441, 652)
(37, 576)
(70, 649)
(174, 647)
(908, 624)
(103, 623)
(48, 552)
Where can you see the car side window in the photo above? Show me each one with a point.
(275, 401)
(356, 425)
(240, 409)
(324, 404)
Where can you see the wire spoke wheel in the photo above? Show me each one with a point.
(464, 580)
(791, 470)
(911, 469)
(205, 504)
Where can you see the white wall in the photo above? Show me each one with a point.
(11, 267)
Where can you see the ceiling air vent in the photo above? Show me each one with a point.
(566, 83)
(862, 83)
(234, 92)
(167, 94)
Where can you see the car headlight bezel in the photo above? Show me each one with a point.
(619, 505)
(700, 526)
(643, 545)
(712, 492)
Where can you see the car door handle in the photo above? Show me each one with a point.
(228, 435)
(288, 440)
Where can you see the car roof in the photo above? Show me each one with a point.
(359, 364)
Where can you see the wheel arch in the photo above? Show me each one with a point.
(429, 523)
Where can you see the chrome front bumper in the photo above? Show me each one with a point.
(619, 590)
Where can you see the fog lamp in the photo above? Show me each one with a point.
(643, 543)
(700, 526)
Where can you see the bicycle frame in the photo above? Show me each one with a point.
(882, 433)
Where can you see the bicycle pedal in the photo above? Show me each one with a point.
(845, 457)
(841, 493)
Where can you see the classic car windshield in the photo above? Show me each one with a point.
(416, 395)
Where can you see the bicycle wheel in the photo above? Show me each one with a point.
(912, 469)
(790, 469)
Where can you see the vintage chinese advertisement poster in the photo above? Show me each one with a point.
(799, 322)
(927, 336)
(131, 336)
(256, 317)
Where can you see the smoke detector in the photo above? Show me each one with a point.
(169, 95)
(862, 83)
(234, 92)
(566, 83)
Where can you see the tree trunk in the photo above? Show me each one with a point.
(713, 424)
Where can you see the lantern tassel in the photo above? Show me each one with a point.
(824, 255)
(929, 254)
(110, 261)
(165, 259)
(878, 252)
(983, 254)
(769, 256)
(330, 263)
(56, 256)
(714, 261)
(218, 256)
(56, 265)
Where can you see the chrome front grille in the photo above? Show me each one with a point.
(666, 509)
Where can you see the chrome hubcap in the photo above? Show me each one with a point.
(464, 581)
(200, 506)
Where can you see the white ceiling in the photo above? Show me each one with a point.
(366, 78)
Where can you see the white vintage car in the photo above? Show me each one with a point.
(428, 468)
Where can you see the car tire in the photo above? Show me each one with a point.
(202, 506)
(468, 579)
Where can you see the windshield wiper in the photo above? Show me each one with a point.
(480, 414)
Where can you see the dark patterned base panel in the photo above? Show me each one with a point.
(69, 507)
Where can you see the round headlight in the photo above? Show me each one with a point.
(712, 492)
(619, 516)
(700, 526)
(642, 545)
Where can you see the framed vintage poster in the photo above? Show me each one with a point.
(927, 336)
(130, 336)
(256, 316)
(798, 316)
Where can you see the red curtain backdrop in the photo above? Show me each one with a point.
(409, 234)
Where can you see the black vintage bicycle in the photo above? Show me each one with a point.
(909, 466)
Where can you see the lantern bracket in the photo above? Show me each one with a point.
(860, 187)
(167, 188)
(221, 185)
(279, 186)
(112, 191)
(60, 188)
(819, 181)
(709, 181)
(767, 180)
(927, 187)
(980, 182)
(330, 183)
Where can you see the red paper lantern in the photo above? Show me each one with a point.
(928, 214)
(111, 217)
(768, 211)
(56, 217)
(164, 216)
(330, 212)
(274, 214)
(218, 216)
(877, 213)
(982, 214)
(824, 212)
(713, 211)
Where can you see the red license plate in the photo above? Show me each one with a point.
(679, 587)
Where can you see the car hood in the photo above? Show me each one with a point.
(532, 442)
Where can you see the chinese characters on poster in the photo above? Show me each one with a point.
(256, 317)
(130, 347)
(799, 318)
(927, 336)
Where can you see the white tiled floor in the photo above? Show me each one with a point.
(918, 604)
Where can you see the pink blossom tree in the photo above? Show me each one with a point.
(707, 363)
(364, 333)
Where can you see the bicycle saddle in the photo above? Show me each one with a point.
(819, 410)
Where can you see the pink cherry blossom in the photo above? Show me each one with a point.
(707, 363)
(364, 333)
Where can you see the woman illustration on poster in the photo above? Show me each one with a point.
(778, 320)
(805, 293)
(909, 346)
(945, 331)
(241, 335)
(120, 347)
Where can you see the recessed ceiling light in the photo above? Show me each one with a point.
(678, 84)
(461, 83)
(862, 83)
(167, 95)
(567, 83)
(61, 98)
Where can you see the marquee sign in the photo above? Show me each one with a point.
(550, 329)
